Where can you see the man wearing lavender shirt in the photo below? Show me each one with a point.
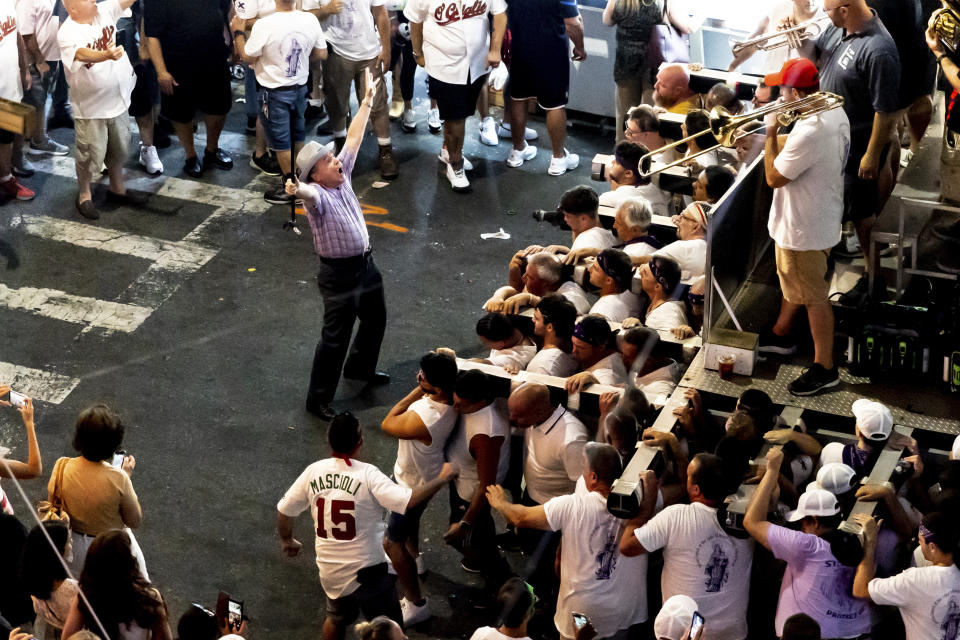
(350, 283)
(816, 582)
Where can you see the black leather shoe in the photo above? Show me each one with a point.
(130, 198)
(374, 379)
(87, 210)
(322, 411)
(219, 159)
(193, 167)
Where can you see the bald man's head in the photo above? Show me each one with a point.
(529, 404)
(846, 13)
(672, 86)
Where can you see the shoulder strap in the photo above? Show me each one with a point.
(58, 483)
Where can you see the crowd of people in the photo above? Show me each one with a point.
(524, 472)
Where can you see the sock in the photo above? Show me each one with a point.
(7, 178)
(342, 133)
(315, 103)
(383, 141)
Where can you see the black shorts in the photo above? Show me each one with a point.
(205, 89)
(146, 92)
(406, 526)
(6, 137)
(376, 596)
(548, 82)
(861, 198)
(456, 101)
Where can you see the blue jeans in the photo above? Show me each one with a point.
(282, 113)
(250, 91)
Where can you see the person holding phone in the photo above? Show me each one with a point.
(516, 600)
(33, 467)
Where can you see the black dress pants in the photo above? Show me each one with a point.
(352, 289)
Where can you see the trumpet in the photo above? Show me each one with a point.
(728, 129)
(792, 37)
(946, 23)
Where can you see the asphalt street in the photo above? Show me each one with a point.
(197, 317)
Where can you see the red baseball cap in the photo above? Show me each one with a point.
(798, 73)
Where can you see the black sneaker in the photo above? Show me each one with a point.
(314, 113)
(278, 196)
(814, 380)
(468, 567)
(265, 164)
(855, 296)
(772, 343)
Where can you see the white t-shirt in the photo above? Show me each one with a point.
(617, 307)
(284, 41)
(638, 249)
(691, 255)
(250, 9)
(10, 87)
(554, 455)
(928, 599)
(489, 633)
(668, 315)
(102, 89)
(610, 370)
(35, 17)
(518, 355)
(575, 294)
(595, 579)
(491, 421)
(352, 32)
(660, 382)
(553, 362)
(456, 36)
(418, 463)
(659, 199)
(806, 212)
(347, 503)
(594, 238)
(701, 561)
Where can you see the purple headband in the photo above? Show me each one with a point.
(602, 263)
(928, 536)
(596, 341)
(657, 272)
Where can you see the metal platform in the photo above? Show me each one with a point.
(773, 380)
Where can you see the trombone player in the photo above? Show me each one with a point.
(769, 35)
(805, 171)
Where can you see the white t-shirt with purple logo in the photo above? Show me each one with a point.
(928, 599)
(817, 584)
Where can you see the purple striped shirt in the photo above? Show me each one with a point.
(336, 219)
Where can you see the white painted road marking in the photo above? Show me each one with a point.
(36, 383)
(92, 313)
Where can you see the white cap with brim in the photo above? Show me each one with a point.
(815, 502)
(308, 156)
(874, 420)
(674, 617)
(837, 478)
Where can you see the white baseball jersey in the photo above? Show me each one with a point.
(10, 87)
(347, 499)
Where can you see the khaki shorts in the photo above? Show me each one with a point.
(102, 140)
(803, 275)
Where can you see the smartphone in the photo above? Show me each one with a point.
(579, 620)
(229, 611)
(17, 399)
(118, 458)
(696, 623)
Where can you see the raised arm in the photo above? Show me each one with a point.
(517, 514)
(755, 519)
(33, 467)
(359, 124)
(405, 424)
(806, 443)
(867, 568)
(629, 545)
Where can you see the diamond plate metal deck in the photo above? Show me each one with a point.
(774, 379)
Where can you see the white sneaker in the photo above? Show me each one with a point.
(434, 123)
(488, 132)
(559, 166)
(905, 157)
(445, 159)
(458, 179)
(412, 614)
(503, 130)
(516, 158)
(409, 121)
(150, 161)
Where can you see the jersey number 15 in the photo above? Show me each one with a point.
(344, 524)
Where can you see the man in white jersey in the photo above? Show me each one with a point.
(700, 559)
(422, 421)
(595, 578)
(346, 498)
(480, 450)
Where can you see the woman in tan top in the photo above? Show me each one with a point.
(97, 496)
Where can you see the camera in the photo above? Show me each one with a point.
(554, 217)
(598, 167)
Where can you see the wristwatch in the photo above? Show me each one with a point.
(238, 33)
(940, 58)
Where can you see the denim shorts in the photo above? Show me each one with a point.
(282, 112)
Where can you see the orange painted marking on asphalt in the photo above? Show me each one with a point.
(372, 210)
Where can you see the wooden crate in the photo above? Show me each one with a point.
(17, 117)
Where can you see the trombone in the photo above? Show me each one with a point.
(946, 24)
(792, 37)
(728, 129)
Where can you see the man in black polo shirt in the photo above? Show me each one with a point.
(859, 61)
(187, 46)
(539, 70)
